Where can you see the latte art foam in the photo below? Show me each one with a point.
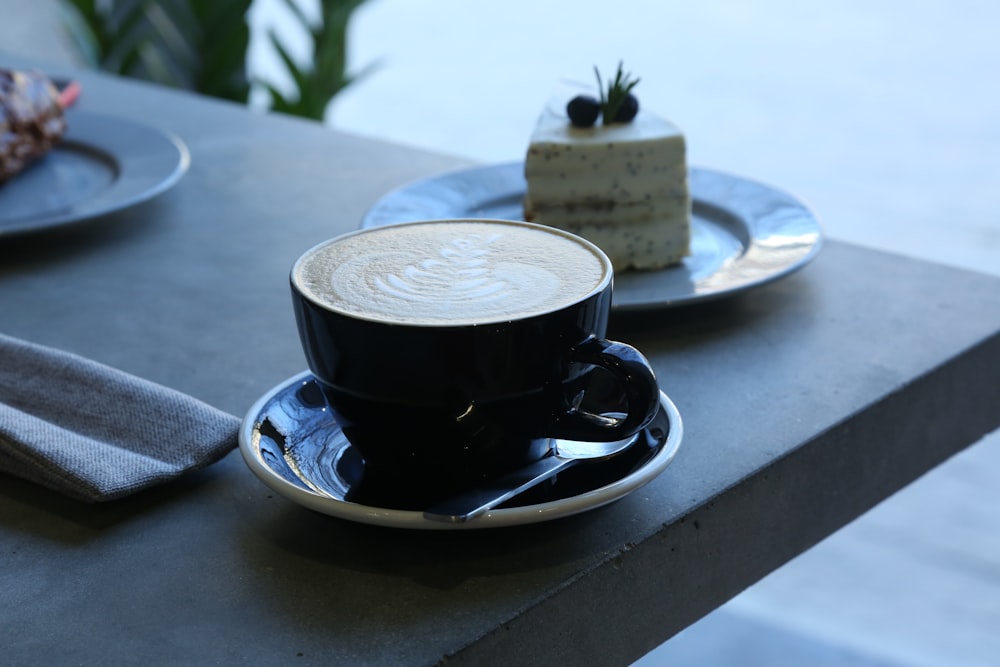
(454, 272)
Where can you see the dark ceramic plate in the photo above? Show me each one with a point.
(104, 164)
(744, 234)
(293, 444)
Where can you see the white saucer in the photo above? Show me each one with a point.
(292, 443)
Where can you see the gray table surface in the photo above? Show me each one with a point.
(805, 403)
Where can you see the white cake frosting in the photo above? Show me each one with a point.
(623, 186)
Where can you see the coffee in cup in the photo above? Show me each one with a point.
(454, 350)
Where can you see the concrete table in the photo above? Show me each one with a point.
(805, 403)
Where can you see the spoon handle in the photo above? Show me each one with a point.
(476, 502)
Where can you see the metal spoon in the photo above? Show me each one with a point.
(565, 453)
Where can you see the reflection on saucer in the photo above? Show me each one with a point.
(294, 445)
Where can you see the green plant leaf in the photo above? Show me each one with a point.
(202, 45)
(299, 15)
(297, 74)
(78, 24)
(318, 81)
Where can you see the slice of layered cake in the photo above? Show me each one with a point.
(613, 174)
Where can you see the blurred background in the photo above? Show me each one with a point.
(883, 115)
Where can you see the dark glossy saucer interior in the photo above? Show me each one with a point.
(302, 442)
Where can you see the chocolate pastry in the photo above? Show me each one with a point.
(31, 119)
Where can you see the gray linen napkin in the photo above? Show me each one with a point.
(94, 432)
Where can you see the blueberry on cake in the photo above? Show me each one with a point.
(614, 174)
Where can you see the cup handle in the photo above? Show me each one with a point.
(632, 372)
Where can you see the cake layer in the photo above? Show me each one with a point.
(623, 160)
(650, 244)
(605, 184)
(560, 212)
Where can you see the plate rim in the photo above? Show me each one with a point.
(412, 519)
(376, 215)
(172, 160)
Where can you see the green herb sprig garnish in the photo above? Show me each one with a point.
(617, 94)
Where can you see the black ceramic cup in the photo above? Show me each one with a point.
(451, 351)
